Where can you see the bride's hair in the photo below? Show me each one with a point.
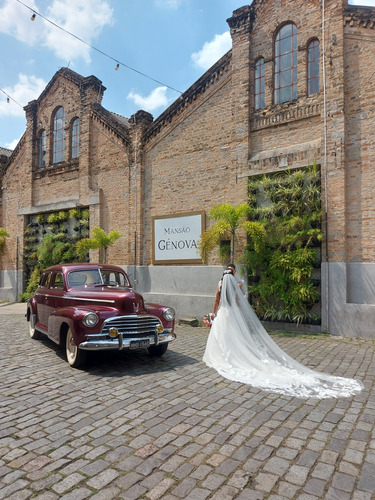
(230, 289)
(228, 271)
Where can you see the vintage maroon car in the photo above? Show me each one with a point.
(92, 307)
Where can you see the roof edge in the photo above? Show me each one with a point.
(191, 94)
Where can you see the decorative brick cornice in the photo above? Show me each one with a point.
(359, 17)
(216, 72)
(278, 117)
(294, 156)
(56, 169)
(241, 17)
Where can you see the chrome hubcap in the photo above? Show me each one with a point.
(72, 349)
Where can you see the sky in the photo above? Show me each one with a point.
(161, 46)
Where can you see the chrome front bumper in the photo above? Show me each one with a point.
(121, 342)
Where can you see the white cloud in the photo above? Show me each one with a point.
(27, 88)
(15, 21)
(13, 144)
(156, 99)
(83, 18)
(212, 51)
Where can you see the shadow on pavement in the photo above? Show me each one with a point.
(125, 363)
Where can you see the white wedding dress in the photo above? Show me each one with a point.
(240, 349)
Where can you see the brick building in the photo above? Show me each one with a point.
(295, 89)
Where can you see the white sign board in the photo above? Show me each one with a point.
(175, 238)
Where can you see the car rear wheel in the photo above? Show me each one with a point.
(158, 350)
(76, 357)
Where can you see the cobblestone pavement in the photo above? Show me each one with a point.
(132, 426)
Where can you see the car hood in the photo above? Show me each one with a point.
(126, 300)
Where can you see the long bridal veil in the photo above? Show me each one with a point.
(240, 349)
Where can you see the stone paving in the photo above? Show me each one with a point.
(130, 426)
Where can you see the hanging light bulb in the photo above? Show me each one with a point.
(117, 66)
(33, 16)
(8, 100)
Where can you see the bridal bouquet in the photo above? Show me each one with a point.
(208, 319)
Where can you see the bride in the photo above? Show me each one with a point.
(240, 349)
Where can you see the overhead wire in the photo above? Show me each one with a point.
(10, 98)
(117, 61)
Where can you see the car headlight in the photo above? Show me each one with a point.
(90, 319)
(169, 314)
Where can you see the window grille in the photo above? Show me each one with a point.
(58, 136)
(75, 138)
(259, 83)
(285, 85)
(313, 67)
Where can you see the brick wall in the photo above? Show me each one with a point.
(359, 66)
(202, 149)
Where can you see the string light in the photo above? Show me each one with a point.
(100, 51)
(33, 16)
(9, 98)
(117, 66)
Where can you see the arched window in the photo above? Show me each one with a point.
(259, 83)
(75, 138)
(286, 64)
(42, 149)
(58, 136)
(313, 67)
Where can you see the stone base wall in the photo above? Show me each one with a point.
(190, 290)
(350, 308)
(11, 285)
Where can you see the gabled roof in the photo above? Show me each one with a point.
(115, 122)
(74, 77)
(121, 119)
(5, 152)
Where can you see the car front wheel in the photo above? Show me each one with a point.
(76, 357)
(33, 332)
(158, 350)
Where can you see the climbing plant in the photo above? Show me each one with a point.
(284, 275)
(51, 239)
(3, 234)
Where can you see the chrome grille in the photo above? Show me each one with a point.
(132, 326)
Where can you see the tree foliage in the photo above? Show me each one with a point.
(99, 240)
(228, 219)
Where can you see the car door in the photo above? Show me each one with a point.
(41, 296)
(56, 291)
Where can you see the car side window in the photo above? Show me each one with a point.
(76, 279)
(114, 277)
(45, 280)
(58, 281)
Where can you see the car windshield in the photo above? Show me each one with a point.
(87, 277)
